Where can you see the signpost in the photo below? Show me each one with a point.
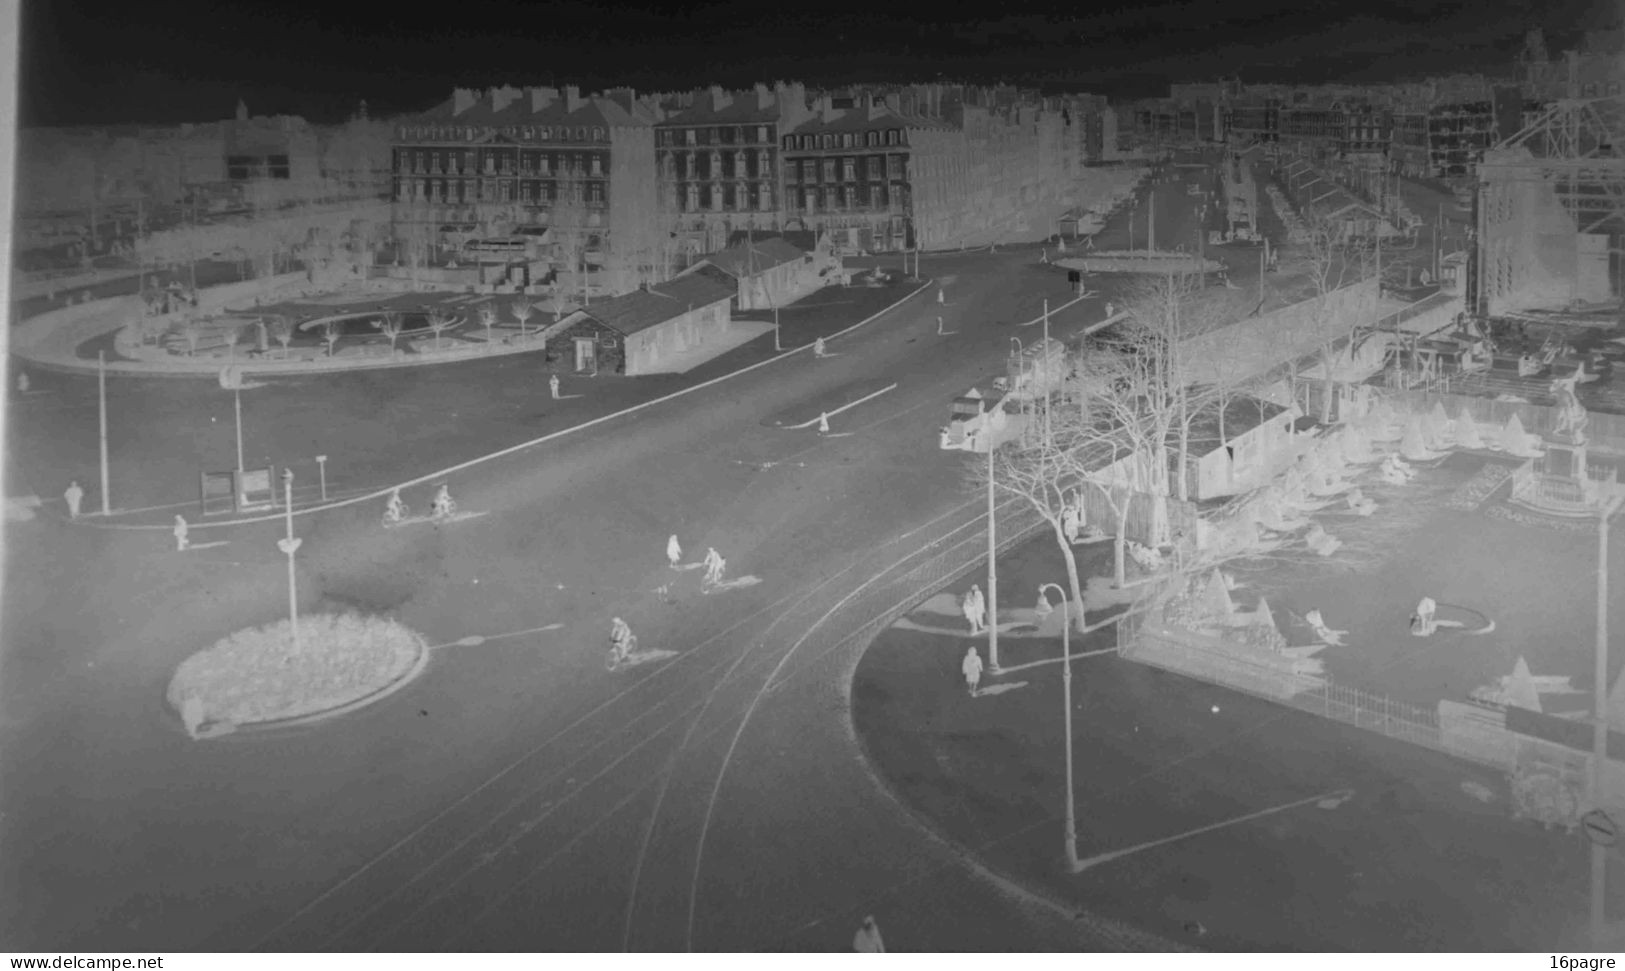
(216, 492)
(254, 489)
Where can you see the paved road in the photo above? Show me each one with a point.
(518, 795)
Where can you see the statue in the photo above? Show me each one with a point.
(1571, 416)
(1423, 623)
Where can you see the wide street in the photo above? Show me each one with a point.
(518, 795)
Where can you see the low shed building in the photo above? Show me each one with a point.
(665, 328)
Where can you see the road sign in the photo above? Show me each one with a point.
(1600, 828)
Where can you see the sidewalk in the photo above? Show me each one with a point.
(1410, 863)
(401, 423)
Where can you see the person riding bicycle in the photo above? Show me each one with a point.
(443, 505)
(395, 511)
(620, 634)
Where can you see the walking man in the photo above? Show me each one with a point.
(714, 565)
(823, 423)
(972, 669)
(674, 552)
(553, 386)
(1109, 309)
(75, 496)
(180, 531)
(867, 939)
(973, 609)
(940, 298)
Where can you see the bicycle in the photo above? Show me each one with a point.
(396, 514)
(620, 652)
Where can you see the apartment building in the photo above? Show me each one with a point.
(851, 172)
(719, 165)
(574, 175)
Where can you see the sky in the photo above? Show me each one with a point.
(101, 62)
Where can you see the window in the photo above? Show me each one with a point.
(809, 171)
(766, 197)
(689, 137)
(725, 135)
(874, 168)
(597, 134)
(547, 134)
(894, 166)
(810, 200)
(705, 196)
(581, 133)
(789, 143)
(849, 170)
(753, 198)
(598, 165)
(893, 136)
(871, 139)
(729, 197)
(762, 135)
(829, 141)
(693, 197)
(829, 170)
(595, 193)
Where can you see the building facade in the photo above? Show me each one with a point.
(574, 174)
(719, 164)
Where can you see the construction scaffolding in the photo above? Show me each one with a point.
(1551, 210)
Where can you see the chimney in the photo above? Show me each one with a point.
(572, 99)
(764, 97)
(720, 99)
(541, 98)
(502, 97)
(826, 108)
(876, 107)
(242, 110)
(461, 100)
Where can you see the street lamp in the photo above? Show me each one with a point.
(1599, 747)
(289, 546)
(1066, 690)
(321, 464)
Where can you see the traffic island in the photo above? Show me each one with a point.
(261, 678)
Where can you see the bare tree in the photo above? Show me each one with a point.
(521, 307)
(282, 332)
(559, 299)
(570, 220)
(439, 321)
(1332, 260)
(331, 332)
(391, 328)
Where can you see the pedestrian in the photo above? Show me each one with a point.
(1108, 308)
(674, 552)
(867, 939)
(823, 423)
(180, 532)
(972, 669)
(75, 495)
(940, 298)
(22, 382)
(553, 386)
(818, 348)
(972, 608)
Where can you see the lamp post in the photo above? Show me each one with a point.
(237, 399)
(992, 554)
(1599, 738)
(101, 394)
(290, 545)
(1066, 690)
(321, 464)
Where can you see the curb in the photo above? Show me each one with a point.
(512, 449)
(419, 665)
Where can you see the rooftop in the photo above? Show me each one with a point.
(590, 110)
(745, 258)
(642, 309)
(743, 109)
(862, 119)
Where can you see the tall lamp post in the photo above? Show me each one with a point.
(1599, 738)
(101, 395)
(1066, 690)
(290, 545)
(321, 464)
(237, 398)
